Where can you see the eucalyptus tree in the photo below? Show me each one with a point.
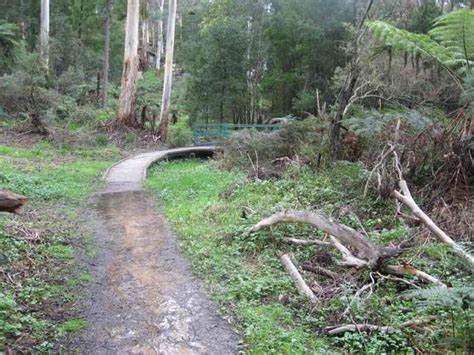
(44, 33)
(108, 14)
(159, 35)
(127, 100)
(167, 85)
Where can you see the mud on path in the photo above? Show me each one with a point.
(144, 299)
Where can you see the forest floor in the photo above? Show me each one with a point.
(144, 299)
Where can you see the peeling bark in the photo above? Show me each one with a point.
(127, 100)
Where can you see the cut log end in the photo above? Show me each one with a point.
(11, 202)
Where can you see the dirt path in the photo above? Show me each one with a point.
(144, 299)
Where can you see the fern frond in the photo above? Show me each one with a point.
(459, 297)
(455, 31)
(7, 34)
(406, 41)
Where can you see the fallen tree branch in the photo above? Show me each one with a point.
(321, 270)
(348, 258)
(305, 242)
(340, 329)
(405, 197)
(300, 284)
(410, 270)
(358, 328)
(365, 249)
(11, 202)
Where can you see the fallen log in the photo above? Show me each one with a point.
(370, 252)
(11, 202)
(300, 284)
(340, 329)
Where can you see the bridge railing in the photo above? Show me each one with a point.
(215, 132)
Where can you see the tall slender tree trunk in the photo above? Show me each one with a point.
(127, 100)
(144, 62)
(159, 47)
(166, 101)
(108, 13)
(44, 33)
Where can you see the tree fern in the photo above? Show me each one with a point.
(406, 41)
(450, 42)
(8, 43)
(455, 31)
(7, 35)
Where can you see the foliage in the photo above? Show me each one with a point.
(369, 124)
(8, 42)
(259, 150)
(148, 94)
(455, 31)
(450, 42)
(179, 135)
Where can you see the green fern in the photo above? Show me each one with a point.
(450, 42)
(371, 123)
(7, 35)
(456, 297)
(416, 43)
(455, 31)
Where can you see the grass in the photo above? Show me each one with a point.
(40, 276)
(210, 209)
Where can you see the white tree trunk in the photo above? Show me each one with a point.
(159, 47)
(127, 100)
(106, 52)
(166, 100)
(44, 33)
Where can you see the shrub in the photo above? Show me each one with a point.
(254, 150)
(84, 114)
(179, 135)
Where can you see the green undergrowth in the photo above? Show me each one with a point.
(39, 271)
(211, 210)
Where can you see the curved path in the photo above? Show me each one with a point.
(144, 299)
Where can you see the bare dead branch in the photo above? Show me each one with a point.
(410, 270)
(321, 270)
(336, 330)
(300, 284)
(405, 197)
(365, 249)
(305, 242)
(348, 258)
(358, 328)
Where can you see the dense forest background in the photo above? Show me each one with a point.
(236, 61)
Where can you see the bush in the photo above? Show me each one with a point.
(254, 150)
(84, 114)
(179, 135)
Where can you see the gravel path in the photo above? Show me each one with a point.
(144, 299)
